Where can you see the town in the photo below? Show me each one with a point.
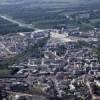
(52, 64)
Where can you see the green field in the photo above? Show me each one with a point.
(8, 27)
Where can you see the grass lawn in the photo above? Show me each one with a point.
(86, 26)
(5, 71)
(93, 21)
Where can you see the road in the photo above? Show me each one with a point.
(18, 93)
(16, 22)
(89, 39)
(88, 84)
(5, 48)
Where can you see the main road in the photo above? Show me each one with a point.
(17, 22)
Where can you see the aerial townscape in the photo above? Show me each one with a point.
(55, 55)
(57, 65)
